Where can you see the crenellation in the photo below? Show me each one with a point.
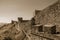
(45, 25)
(20, 19)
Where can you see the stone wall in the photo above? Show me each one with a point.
(14, 29)
(25, 24)
(49, 15)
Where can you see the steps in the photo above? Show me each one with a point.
(47, 36)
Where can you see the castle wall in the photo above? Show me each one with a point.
(49, 15)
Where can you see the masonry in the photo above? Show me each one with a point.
(49, 15)
(40, 27)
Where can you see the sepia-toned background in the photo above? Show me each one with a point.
(11, 9)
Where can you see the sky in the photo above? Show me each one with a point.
(12, 9)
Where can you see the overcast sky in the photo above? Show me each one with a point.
(11, 9)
